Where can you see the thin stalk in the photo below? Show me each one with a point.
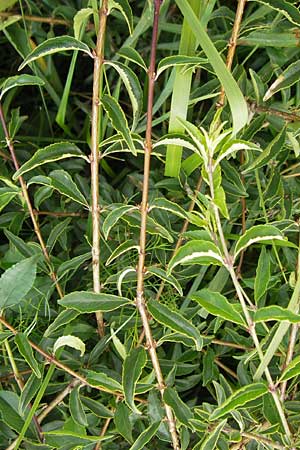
(95, 137)
(29, 205)
(140, 299)
(50, 20)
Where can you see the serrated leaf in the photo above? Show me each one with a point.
(17, 281)
(80, 20)
(97, 408)
(175, 321)
(162, 274)
(121, 249)
(263, 274)
(181, 410)
(196, 252)
(20, 80)
(239, 398)
(113, 216)
(102, 380)
(76, 408)
(133, 87)
(275, 312)
(70, 341)
(218, 305)
(132, 55)
(51, 153)
(258, 234)
(133, 365)
(179, 60)
(286, 79)
(118, 120)
(29, 391)
(125, 9)
(64, 317)
(212, 438)
(292, 370)
(87, 302)
(167, 205)
(145, 437)
(55, 45)
(25, 349)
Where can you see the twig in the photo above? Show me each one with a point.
(140, 299)
(29, 205)
(50, 20)
(58, 213)
(288, 116)
(95, 135)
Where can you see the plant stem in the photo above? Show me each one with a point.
(29, 205)
(140, 299)
(95, 137)
(50, 20)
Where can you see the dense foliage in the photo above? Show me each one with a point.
(175, 324)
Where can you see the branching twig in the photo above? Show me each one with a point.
(50, 20)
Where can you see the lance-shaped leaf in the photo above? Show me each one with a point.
(162, 274)
(26, 351)
(167, 205)
(175, 321)
(125, 9)
(177, 139)
(197, 137)
(286, 79)
(113, 216)
(239, 398)
(64, 317)
(133, 87)
(133, 365)
(235, 97)
(232, 147)
(181, 410)
(179, 60)
(286, 8)
(70, 341)
(266, 234)
(263, 274)
(20, 80)
(145, 437)
(6, 196)
(211, 440)
(51, 153)
(104, 381)
(118, 120)
(55, 45)
(29, 391)
(96, 407)
(196, 252)
(73, 264)
(218, 305)
(132, 55)
(17, 281)
(122, 421)
(80, 19)
(76, 408)
(275, 312)
(292, 370)
(121, 249)
(88, 302)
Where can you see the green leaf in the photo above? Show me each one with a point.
(218, 305)
(275, 312)
(73, 264)
(4, 335)
(167, 205)
(97, 408)
(162, 274)
(292, 370)
(286, 79)
(238, 105)
(196, 252)
(5, 4)
(64, 317)
(20, 80)
(133, 365)
(55, 45)
(8, 410)
(197, 137)
(122, 422)
(25, 349)
(266, 234)
(88, 302)
(125, 9)
(80, 20)
(239, 398)
(145, 437)
(113, 216)
(177, 139)
(181, 410)
(51, 153)
(17, 281)
(133, 87)
(188, 62)
(121, 249)
(76, 408)
(175, 321)
(118, 120)
(29, 391)
(6, 196)
(285, 7)
(132, 55)
(105, 382)
(263, 274)
(220, 201)
(70, 341)
(212, 438)
(56, 232)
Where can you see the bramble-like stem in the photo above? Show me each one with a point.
(36, 227)
(95, 136)
(140, 299)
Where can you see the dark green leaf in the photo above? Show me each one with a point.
(64, 317)
(262, 274)
(105, 382)
(87, 302)
(26, 351)
(182, 412)
(134, 363)
(28, 393)
(76, 408)
(145, 437)
(275, 312)
(20, 80)
(97, 408)
(292, 370)
(122, 422)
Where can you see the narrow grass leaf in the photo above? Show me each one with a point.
(275, 312)
(218, 305)
(145, 437)
(88, 302)
(258, 234)
(17, 281)
(162, 274)
(18, 81)
(51, 153)
(114, 216)
(175, 321)
(196, 252)
(292, 370)
(185, 61)
(133, 365)
(118, 120)
(182, 412)
(121, 249)
(132, 55)
(64, 317)
(76, 408)
(239, 398)
(211, 441)
(55, 45)
(25, 349)
(104, 381)
(263, 274)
